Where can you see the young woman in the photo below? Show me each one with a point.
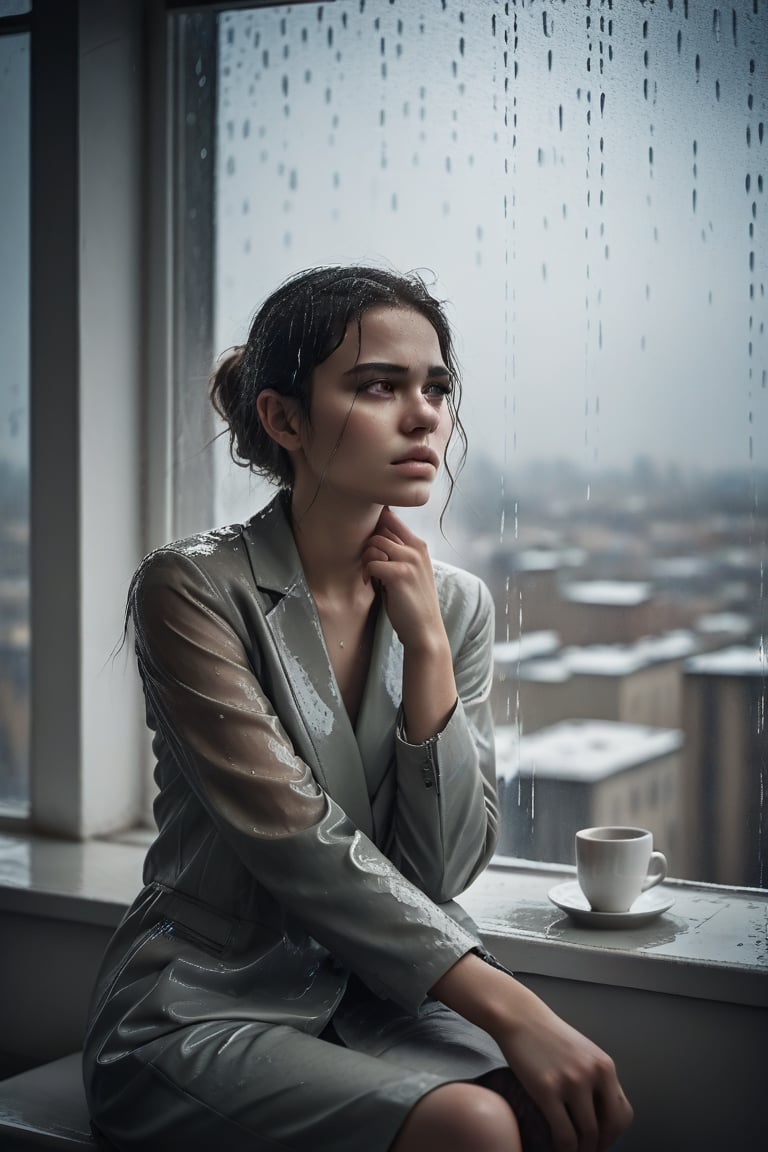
(294, 975)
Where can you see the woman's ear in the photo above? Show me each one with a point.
(280, 418)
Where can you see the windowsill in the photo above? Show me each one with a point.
(90, 881)
(712, 944)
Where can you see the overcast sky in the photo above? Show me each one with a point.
(600, 317)
(601, 314)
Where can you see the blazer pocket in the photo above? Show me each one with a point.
(200, 924)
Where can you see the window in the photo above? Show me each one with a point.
(72, 293)
(14, 414)
(587, 183)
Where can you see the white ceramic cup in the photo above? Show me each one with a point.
(612, 865)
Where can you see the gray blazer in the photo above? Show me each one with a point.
(292, 848)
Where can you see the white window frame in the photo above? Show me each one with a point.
(87, 365)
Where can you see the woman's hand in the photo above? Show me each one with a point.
(572, 1081)
(400, 562)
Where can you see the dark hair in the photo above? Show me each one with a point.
(297, 328)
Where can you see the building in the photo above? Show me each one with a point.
(582, 773)
(510, 657)
(605, 611)
(725, 773)
(639, 683)
(524, 586)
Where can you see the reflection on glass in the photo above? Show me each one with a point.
(14, 423)
(587, 182)
(15, 7)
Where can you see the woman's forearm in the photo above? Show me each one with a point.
(573, 1082)
(429, 688)
(486, 996)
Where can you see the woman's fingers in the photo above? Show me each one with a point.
(583, 1116)
(615, 1113)
(375, 552)
(586, 1118)
(574, 1084)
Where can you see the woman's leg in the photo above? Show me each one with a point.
(460, 1117)
(246, 1086)
(534, 1130)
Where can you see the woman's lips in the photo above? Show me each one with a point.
(420, 457)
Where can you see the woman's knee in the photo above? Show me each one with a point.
(460, 1117)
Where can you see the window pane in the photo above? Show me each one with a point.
(14, 424)
(587, 182)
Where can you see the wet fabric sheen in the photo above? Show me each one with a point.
(292, 851)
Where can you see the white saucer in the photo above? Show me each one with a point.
(647, 907)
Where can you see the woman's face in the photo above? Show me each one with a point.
(379, 417)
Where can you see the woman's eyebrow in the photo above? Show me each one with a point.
(393, 369)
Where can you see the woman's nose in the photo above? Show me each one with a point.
(421, 415)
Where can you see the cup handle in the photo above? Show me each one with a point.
(658, 866)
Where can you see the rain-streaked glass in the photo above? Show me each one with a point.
(14, 7)
(585, 183)
(14, 424)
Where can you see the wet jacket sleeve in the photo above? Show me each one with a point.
(446, 811)
(225, 738)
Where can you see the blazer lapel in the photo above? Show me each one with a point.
(318, 722)
(379, 708)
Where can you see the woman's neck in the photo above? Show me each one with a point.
(330, 542)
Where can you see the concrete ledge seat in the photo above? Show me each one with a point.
(45, 1108)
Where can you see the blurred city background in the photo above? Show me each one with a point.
(585, 184)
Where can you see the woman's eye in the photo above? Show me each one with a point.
(438, 391)
(378, 387)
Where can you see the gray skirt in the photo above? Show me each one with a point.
(253, 1087)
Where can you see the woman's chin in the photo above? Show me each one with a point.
(415, 498)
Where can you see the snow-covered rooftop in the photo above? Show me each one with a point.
(614, 593)
(525, 647)
(582, 750)
(620, 659)
(610, 659)
(737, 623)
(738, 660)
(681, 567)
